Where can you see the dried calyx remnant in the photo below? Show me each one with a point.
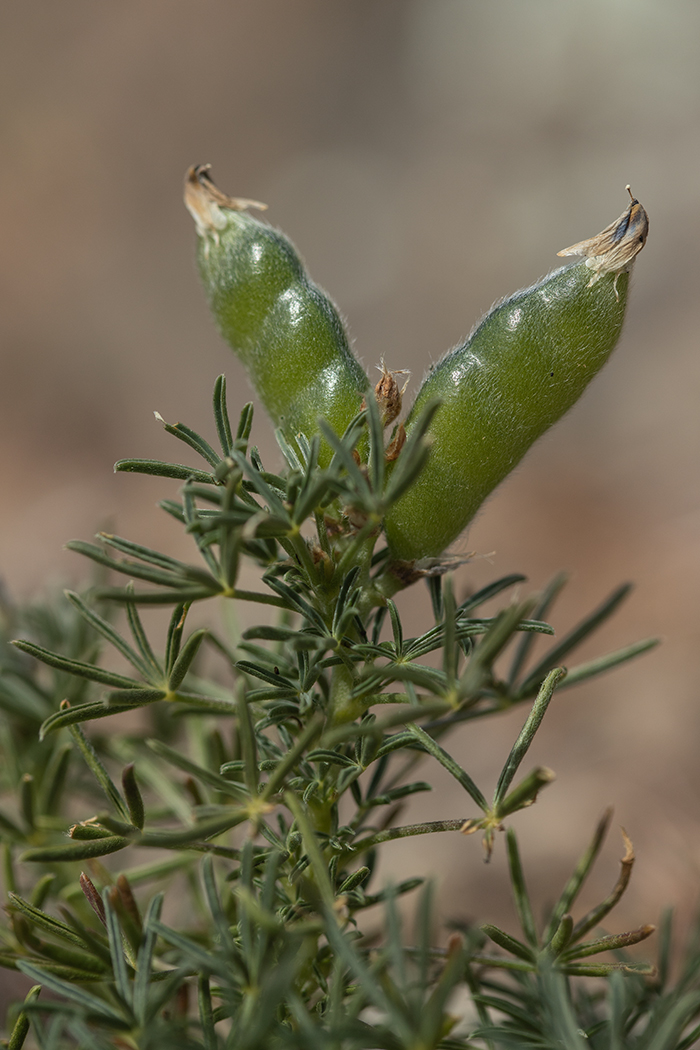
(205, 201)
(614, 249)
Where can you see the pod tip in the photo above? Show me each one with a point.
(615, 248)
(207, 204)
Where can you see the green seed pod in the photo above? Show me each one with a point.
(524, 365)
(285, 330)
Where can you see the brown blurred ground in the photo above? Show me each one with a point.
(428, 156)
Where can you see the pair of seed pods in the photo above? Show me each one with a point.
(522, 367)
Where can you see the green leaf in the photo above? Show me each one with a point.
(524, 647)
(21, 1027)
(414, 455)
(527, 735)
(142, 641)
(76, 667)
(396, 628)
(95, 1009)
(520, 894)
(614, 942)
(195, 955)
(508, 943)
(376, 444)
(221, 418)
(74, 850)
(526, 792)
(163, 470)
(206, 776)
(596, 915)
(10, 828)
(582, 672)
(185, 659)
(562, 936)
(133, 796)
(203, 830)
(144, 959)
(69, 716)
(489, 592)
(248, 744)
(430, 827)
(108, 632)
(184, 595)
(156, 558)
(45, 922)
(575, 883)
(245, 424)
(395, 794)
(54, 779)
(287, 762)
(99, 772)
(313, 851)
(140, 571)
(452, 767)
(116, 950)
(574, 638)
(206, 1014)
(194, 440)
(266, 676)
(486, 651)
(342, 453)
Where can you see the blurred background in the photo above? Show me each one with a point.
(427, 157)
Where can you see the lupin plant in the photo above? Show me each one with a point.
(204, 874)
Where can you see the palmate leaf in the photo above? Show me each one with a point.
(268, 935)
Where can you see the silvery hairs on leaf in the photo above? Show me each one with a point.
(615, 248)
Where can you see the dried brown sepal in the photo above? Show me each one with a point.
(192, 788)
(394, 447)
(455, 944)
(389, 397)
(334, 527)
(489, 824)
(182, 1001)
(205, 201)
(470, 826)
(615, 248)
(407, 572)
(93, 897)
(356, 518)
(317, 553)
(128, 900)
(387, 394)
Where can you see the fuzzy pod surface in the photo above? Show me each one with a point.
(286, 331)
(525, 364)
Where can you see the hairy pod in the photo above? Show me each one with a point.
(524, 365)
(285, 330)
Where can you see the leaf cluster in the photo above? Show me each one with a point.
(264, 791)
